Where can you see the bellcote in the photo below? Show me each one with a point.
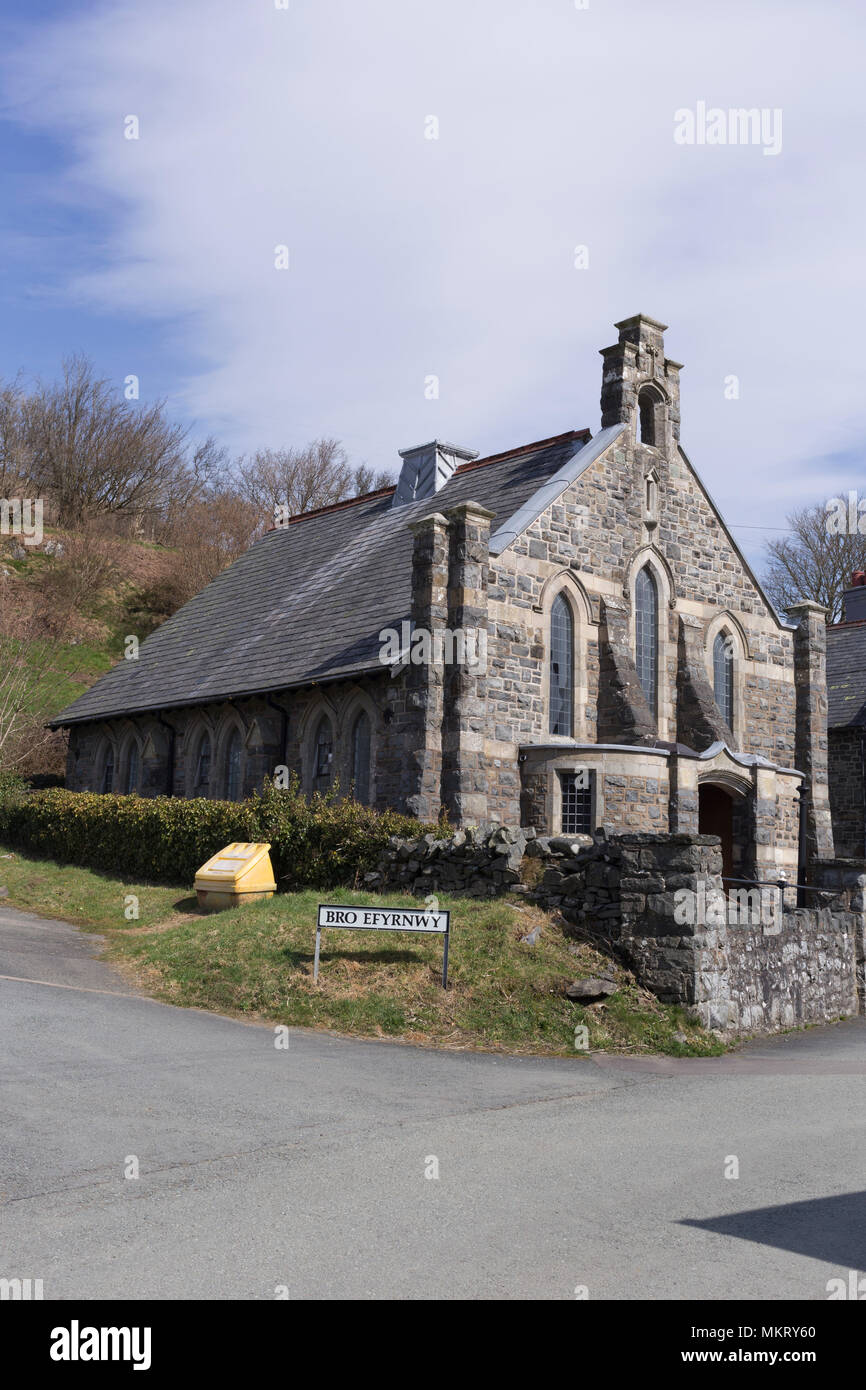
(640, 386)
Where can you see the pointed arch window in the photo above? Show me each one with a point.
(561, 667)
(361, 758)
(323, 755)
(108, 770)
(133, 767)
(646, 610)
(202, 767)
(723, 677)
(233, 766)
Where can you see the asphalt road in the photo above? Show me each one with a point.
(261, 1168)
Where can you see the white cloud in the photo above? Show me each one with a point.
(411, 256)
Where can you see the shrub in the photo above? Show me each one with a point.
(12, 786)
(321, 843)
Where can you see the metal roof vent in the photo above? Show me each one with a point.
(427, 468)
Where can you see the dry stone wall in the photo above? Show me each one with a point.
(624, 892)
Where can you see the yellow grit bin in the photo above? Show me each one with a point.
(240, 873)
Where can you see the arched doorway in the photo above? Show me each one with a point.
(716, 817)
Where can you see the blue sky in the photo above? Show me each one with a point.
(454, 257)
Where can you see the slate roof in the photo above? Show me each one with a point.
(846, 674)
(306, 603)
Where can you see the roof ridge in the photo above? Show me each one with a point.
(563, 438)
(335, 506)
(566, 437)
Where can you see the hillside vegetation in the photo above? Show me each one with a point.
(111, 517)
(66, 607)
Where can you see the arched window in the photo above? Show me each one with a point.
(561, 667)
(650, 417)
(233, 766)
(723, 677)
(202, 767)
(361, 758)
(646, 629)
(323, 755)
(108, 770)
(132, 768)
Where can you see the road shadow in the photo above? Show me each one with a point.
(832, 1229)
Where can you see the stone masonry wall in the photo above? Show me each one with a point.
(846, 878)
(806, 972)
(263, 749)
(590, 542)
(847, 791)
(623, 892)
(594, 529)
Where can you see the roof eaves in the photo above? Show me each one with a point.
(226, 697)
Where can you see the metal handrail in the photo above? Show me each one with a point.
(782, 883)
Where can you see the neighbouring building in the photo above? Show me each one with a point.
(846, 721)
(630, 670)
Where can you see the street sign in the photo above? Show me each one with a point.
(336, 915)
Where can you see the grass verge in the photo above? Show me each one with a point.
(257, 962)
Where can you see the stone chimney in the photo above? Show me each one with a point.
(640, 386)
(854, 599)
(427, 468)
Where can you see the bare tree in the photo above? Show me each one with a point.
(93, 453)
(14, 459)
(208, 536)
(207, 478)
(815, 562)
(366, 479)
(303, 479)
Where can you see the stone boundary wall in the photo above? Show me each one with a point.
(805, 973)
(622, 892)
(847, 879)
(479, 862)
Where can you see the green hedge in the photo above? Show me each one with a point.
(321, 843)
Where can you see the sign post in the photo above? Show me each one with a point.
(383, 919)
